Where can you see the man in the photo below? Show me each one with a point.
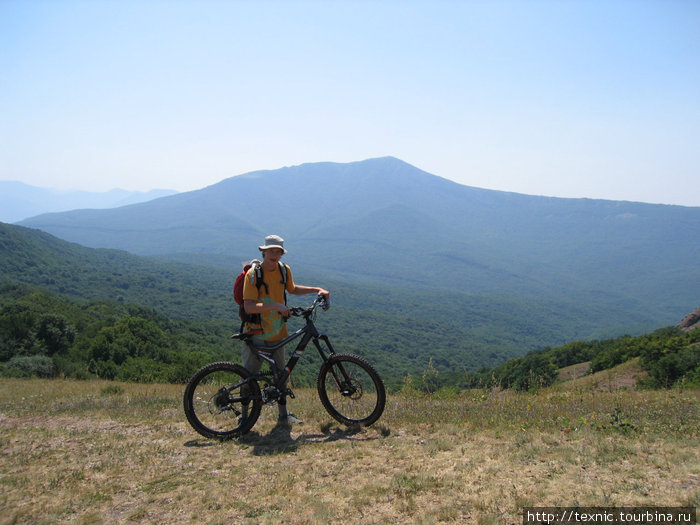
(268, 300)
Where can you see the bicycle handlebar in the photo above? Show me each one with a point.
(299, 311)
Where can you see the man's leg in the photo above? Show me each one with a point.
(284, 415)
(250, 360)
(279, 357)
(252, 363)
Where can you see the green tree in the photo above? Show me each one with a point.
(130, 337)
(56, 334)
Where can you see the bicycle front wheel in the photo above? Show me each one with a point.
(221, 401)
(351, 390)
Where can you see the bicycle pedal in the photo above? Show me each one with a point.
(289, 393)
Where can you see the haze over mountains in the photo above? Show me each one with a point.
(20, 201)
(382, 222)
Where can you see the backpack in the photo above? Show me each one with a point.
(259, 281)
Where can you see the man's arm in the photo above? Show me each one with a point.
(258, 307)
(304, 290)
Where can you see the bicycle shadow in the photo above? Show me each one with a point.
(280, 440)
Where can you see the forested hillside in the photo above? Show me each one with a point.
(45, 335)
(81, 312)
(178, 290)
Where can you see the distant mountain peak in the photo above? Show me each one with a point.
(19, 201)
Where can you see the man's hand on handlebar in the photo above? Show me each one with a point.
(325, 297)
(321, 301)
(284, 310)
(324, 301)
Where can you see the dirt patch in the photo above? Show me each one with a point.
(574, 371)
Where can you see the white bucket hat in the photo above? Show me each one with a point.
(273, 241)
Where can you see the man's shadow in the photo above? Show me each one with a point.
(278, 440)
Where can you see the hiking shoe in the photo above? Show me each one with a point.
(289, 419)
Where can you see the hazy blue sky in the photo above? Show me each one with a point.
(591, 98)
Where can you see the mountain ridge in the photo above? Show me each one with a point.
(383, 220)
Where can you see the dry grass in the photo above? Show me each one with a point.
(97, 452)
(625, 375)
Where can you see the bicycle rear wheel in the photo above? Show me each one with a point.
(351, 390)
(215, 397)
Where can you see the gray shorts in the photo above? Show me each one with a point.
(253, 363)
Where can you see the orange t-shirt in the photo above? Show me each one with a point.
(272, 322)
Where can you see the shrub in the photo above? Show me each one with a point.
(29, 366)
(675, 365)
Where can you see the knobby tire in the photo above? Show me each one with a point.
(360, 400)
(213, 410)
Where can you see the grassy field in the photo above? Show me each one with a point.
(100, 452)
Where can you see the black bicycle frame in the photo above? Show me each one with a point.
(310, 333)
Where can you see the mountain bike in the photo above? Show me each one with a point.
(350, 389)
